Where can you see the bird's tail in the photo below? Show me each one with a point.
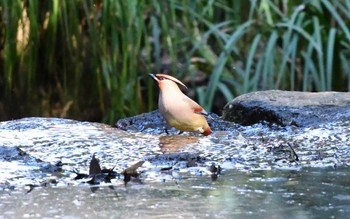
(207, 131)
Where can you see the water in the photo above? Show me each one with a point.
(311, 193)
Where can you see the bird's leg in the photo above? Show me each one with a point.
(166, 131)
(166, 128)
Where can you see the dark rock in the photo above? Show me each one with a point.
(288, 108)
(154, 123)
(143, 122)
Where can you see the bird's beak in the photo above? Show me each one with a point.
(154, 77)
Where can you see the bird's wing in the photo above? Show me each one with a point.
(201, 111)
(195, 106)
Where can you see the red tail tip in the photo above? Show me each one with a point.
(207, 131)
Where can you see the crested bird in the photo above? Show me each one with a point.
(178, 110)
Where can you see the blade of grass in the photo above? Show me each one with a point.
(156, 41)
(255, 82)
(330, 58)
(249, 64)
(310, 78)
(293, 51)
(268, 64)
(225, 91)
(320, 62)
(346, 68)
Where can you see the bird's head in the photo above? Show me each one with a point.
(165, 80)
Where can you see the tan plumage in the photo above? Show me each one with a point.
(179, 110)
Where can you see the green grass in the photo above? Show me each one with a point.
(89, 59)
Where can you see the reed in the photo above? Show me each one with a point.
(89, 60)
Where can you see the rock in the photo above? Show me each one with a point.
(153, 123)
(34, 151)
(142, 123)
(288, 108)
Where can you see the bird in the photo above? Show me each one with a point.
(178, 110)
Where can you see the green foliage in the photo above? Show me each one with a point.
(89, 59)
(288, 46)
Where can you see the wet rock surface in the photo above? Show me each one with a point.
(54, 151)
(154, 123)
(289, 108)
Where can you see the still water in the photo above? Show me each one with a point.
(306, 193)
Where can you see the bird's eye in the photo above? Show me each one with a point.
(161, 78)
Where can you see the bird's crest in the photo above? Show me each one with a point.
(159, 77)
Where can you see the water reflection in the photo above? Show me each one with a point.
(174, 143)
(311, 193)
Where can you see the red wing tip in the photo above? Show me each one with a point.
(198, 109)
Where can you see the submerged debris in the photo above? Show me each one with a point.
(285, 152)
(43, 184)
(94, 166)
(97, 174)
(215, 171)
(131, 172)
(293, 156)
